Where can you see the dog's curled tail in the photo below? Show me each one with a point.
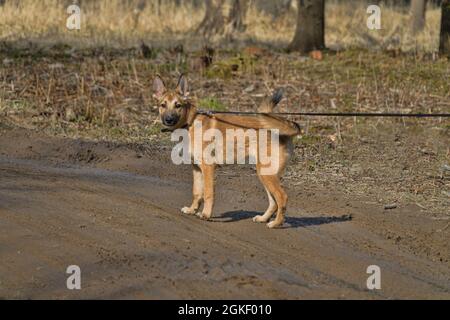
(269, 103)
(277, 97)
(290, 128)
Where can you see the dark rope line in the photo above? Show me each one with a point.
(333, 114)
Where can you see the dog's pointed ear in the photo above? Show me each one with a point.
(159, 87)
(183, 86)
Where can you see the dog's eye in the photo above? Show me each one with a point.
(177, 105)
(163, 105)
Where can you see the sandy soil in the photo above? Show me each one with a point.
(113, 210)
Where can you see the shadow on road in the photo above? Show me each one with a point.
(291, 222)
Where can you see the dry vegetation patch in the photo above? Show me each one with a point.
(105, 95)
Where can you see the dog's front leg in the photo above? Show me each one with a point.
(208, 183)
(197, 192)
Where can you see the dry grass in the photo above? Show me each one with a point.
(104, 22)
(95, 88)
(111, 23)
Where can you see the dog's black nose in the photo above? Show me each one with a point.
(170, 120)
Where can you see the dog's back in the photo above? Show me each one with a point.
(261, 139)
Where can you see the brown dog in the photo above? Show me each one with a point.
(178, 112)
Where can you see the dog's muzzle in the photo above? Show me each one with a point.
(170, 120)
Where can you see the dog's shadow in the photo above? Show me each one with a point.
(290, 222)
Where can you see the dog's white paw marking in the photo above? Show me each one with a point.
(187, 210)
(259, 219)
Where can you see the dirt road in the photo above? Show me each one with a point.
(114, 211)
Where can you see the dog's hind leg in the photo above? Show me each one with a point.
(270, 210)
(281, 198)
(273, 184)
(197, 192)
(274, 189)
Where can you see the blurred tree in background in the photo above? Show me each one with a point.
(418, 10)
(310, 31)
(223, 17)
(444, 46)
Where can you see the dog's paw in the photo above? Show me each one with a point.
(274, 224)
(188, 210)
(259, 219)
(204, 216)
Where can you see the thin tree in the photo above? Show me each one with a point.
(418, 11)
(310, 32)
(444, 46)
(220, 21)
(213, 21)
(237, 15)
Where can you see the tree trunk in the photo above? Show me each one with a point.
(137, 10)
(310, 32)
(219, 21)
(444, 46)
(418, 10)
(213, 22)
(237, 15)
